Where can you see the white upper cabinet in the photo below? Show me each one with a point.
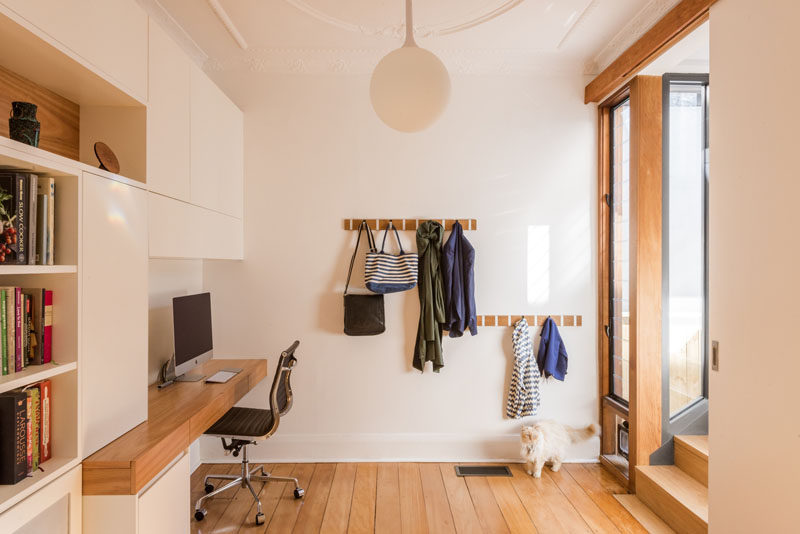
(217, 148)
(168, 117)
(114, 303)
(111, 35)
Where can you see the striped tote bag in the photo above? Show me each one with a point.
(389, 273)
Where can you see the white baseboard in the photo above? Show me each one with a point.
(417, 447)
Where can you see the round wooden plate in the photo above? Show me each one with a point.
(108, 160)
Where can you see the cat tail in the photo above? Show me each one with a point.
(581, 434)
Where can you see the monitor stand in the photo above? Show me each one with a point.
(189, 378)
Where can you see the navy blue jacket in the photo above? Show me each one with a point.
(552, 355)
(458, 261)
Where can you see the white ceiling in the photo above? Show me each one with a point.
(471, 36)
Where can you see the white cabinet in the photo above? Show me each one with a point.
(168, 117)
(55, 509)
(217, 148)
(182, 230)
(111, 35)
(114, 305)
(161, 508)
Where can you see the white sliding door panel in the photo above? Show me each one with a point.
(114, 280)
(162, 508)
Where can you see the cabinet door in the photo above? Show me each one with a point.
(162, 508)
(111, 35)
(181, 230)
(168, 117)
(114, 302)
(217, 148)
(55, 509)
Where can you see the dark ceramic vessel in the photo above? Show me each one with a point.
(22, 125)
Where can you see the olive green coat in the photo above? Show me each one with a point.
(431, 296)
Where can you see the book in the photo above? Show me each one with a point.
(33, 424)
(10, 329)
(27, 329)
(10, 185)
(22, 218)
(28, 433)
(41, 229)
(45, 394)
(33, 182)
(37, 313)
(13, 438)
(46, 187)
(47, 333)
(18, 354)
(3, 331)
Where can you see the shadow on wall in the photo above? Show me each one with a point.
(159, 340)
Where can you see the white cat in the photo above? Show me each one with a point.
(547, 441)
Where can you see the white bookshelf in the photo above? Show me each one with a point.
(63, 279)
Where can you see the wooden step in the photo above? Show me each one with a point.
(644, 515)
(691, 455)
(677, 498)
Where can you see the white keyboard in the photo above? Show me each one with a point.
(220, 377)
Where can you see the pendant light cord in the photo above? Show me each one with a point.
(409, 26)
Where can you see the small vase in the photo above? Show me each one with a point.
(23, 126)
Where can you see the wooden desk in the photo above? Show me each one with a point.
(177, 415)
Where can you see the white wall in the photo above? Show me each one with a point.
(514, 152)
(754, 419)
(168, 279)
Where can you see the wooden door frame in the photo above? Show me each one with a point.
(643, 412)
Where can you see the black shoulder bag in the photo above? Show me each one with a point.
(363, 314)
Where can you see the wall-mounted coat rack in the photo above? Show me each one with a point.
(533, 320)
(409, 224)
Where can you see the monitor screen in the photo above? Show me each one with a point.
(191, 319)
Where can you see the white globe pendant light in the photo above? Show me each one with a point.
(410, 87)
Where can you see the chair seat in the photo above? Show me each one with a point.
(250, 422)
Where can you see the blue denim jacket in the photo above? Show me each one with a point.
(552, 355)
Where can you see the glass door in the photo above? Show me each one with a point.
(685, 256)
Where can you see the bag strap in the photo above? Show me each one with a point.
(370, 244)
(397, 235)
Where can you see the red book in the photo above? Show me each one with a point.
(18, 360)
(44, 429)
(47, 353)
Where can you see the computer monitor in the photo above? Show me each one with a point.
(191, 321)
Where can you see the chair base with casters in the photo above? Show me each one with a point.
(242, 480)
(247, 426)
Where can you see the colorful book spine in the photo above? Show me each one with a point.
(33, 182)
(10, 184)
(18, 354)
(47, 344)
(41, 230)
(11, 330)
(13, 439)
(22, 219)
(3, 329)
(34, 422)
(51, 220)
(45, 394)
(28, 433)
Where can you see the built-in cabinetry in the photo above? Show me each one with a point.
(114, 281)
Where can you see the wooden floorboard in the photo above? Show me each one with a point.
(418, 498)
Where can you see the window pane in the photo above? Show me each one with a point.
(620, 250)
(686, 259)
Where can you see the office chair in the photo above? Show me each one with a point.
(246, 426)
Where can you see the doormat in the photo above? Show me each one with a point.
(483, 471)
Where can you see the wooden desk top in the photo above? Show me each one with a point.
(177, 415)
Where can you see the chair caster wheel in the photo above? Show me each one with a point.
(199, 515)
(209, 488)
(259, 518)
(299, 493)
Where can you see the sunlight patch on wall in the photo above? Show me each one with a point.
(538, 267)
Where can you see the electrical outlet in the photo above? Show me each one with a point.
(715, 355)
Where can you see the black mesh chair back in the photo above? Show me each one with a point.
(280, 401)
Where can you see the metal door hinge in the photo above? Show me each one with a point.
(607, 198)
(608, 331)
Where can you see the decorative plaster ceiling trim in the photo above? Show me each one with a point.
(398, 30)
(629, 34)
(578, 22)
(362, 61)
(226, 21)
(157, 12)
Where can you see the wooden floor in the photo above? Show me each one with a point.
(419, 497)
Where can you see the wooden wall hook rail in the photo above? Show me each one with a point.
(409, 224)
(533, 320)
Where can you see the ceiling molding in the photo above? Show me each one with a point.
(363, 61)
(629, 34)
(157, 12)
(397, 30)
